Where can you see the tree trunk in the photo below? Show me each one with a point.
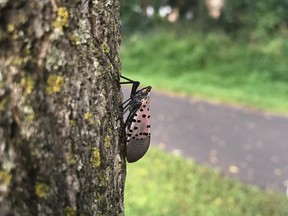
(60, 114)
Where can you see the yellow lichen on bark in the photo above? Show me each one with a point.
(5, 178)
(68, 211)
(74, 39)
(3, 103)
(89, 117)
(107, 142)
(27, 85)
(41, 189)
(95, 158)
(105, 48)
(61, 19)
(54, 84)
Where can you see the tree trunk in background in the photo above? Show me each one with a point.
(60, 114)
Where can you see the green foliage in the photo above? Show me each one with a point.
(131, 17)
(251, 20)
(163, 184)
(211, 66)
(134, 17)
(256, 19)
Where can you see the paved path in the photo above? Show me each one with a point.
(243, 144)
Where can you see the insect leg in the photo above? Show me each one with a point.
(135, 85)
(132, 105)
(129, 80)
(126, 107)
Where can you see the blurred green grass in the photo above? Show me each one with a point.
(165, 184)
(212, 66)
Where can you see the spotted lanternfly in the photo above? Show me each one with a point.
(137, 124)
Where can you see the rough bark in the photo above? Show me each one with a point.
(60, 117)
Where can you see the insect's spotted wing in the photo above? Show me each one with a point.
(138, 131)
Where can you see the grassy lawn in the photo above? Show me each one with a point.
(211, 66)
(164, 184)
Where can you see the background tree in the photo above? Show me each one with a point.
(60, 117)
(242, 18)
